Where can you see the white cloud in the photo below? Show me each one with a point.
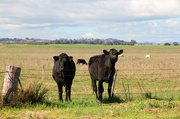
(177, 32)
(126, 19)
(171, 23)
(88, 35)
(88, 12)
(155, 25)
(14, 26)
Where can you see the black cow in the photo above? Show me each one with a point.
(81, 61)
(63, 73)
(102, 69)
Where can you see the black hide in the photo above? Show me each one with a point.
(102, 69)
(63, 73)
(82, 61)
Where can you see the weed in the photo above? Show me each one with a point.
(127, 92)
(162, 104)
(154, 104)
(30, 95)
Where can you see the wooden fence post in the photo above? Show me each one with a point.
(11, 80)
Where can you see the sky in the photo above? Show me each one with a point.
(140, 20)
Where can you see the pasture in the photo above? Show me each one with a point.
(145, 87)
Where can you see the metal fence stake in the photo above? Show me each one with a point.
(114, 83)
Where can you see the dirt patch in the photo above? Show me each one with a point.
(154, 110)
(87, 117)
(124, 105)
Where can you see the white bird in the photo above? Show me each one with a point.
(148, 56)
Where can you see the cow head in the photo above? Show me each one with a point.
(113, 53)
(62, 61)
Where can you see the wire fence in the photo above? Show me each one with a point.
(170, 73)
(88, 71)
(122, 78)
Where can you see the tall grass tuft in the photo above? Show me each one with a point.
(128, 93)
(32, 94)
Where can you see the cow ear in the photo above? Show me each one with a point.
(120, 52)
(105, 52)
(70, 58)
(56, 58)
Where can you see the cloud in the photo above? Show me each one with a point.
(89, 12)
(171, 23)
(88, 35)
(124, 19)
(13, 26)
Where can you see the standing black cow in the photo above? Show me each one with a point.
(102, 69)
(63, 73)
(81, 61)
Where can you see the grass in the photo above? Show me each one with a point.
(96, 109)
(32, 94)
(137, 77)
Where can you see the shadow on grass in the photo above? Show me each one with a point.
(148, 96)
(56, 104)
(83, 103)
(89, 103)
(115, 99)
(166, 99)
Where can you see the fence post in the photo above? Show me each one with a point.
(114, 83)
(11, 80)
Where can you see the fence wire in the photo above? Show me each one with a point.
(42, 73)
(85, 73)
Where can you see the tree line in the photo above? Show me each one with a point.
(109, 41)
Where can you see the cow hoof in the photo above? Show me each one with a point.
(100, 98)
(60, 100)
(68, 100)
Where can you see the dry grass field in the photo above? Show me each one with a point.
(137, 78)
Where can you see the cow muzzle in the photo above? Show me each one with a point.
(61, 69)
(114, 56)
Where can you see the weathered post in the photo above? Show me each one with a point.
(11, 80)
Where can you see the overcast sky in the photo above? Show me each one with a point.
(140, 20)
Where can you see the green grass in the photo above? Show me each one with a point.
(158, 76)
(96, 109)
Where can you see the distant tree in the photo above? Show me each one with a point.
(84, 42)
(175, 43)
(108, 43)
(116, 42)
(27, 38)
(167, 44)
(133, 42)
(97, 41)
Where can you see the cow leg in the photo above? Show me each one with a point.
(100, 90)
(68, 93)
(94, 87)
(60, 91)
(109, 89)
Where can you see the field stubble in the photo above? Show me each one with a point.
(133, 69)
(137, 75)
